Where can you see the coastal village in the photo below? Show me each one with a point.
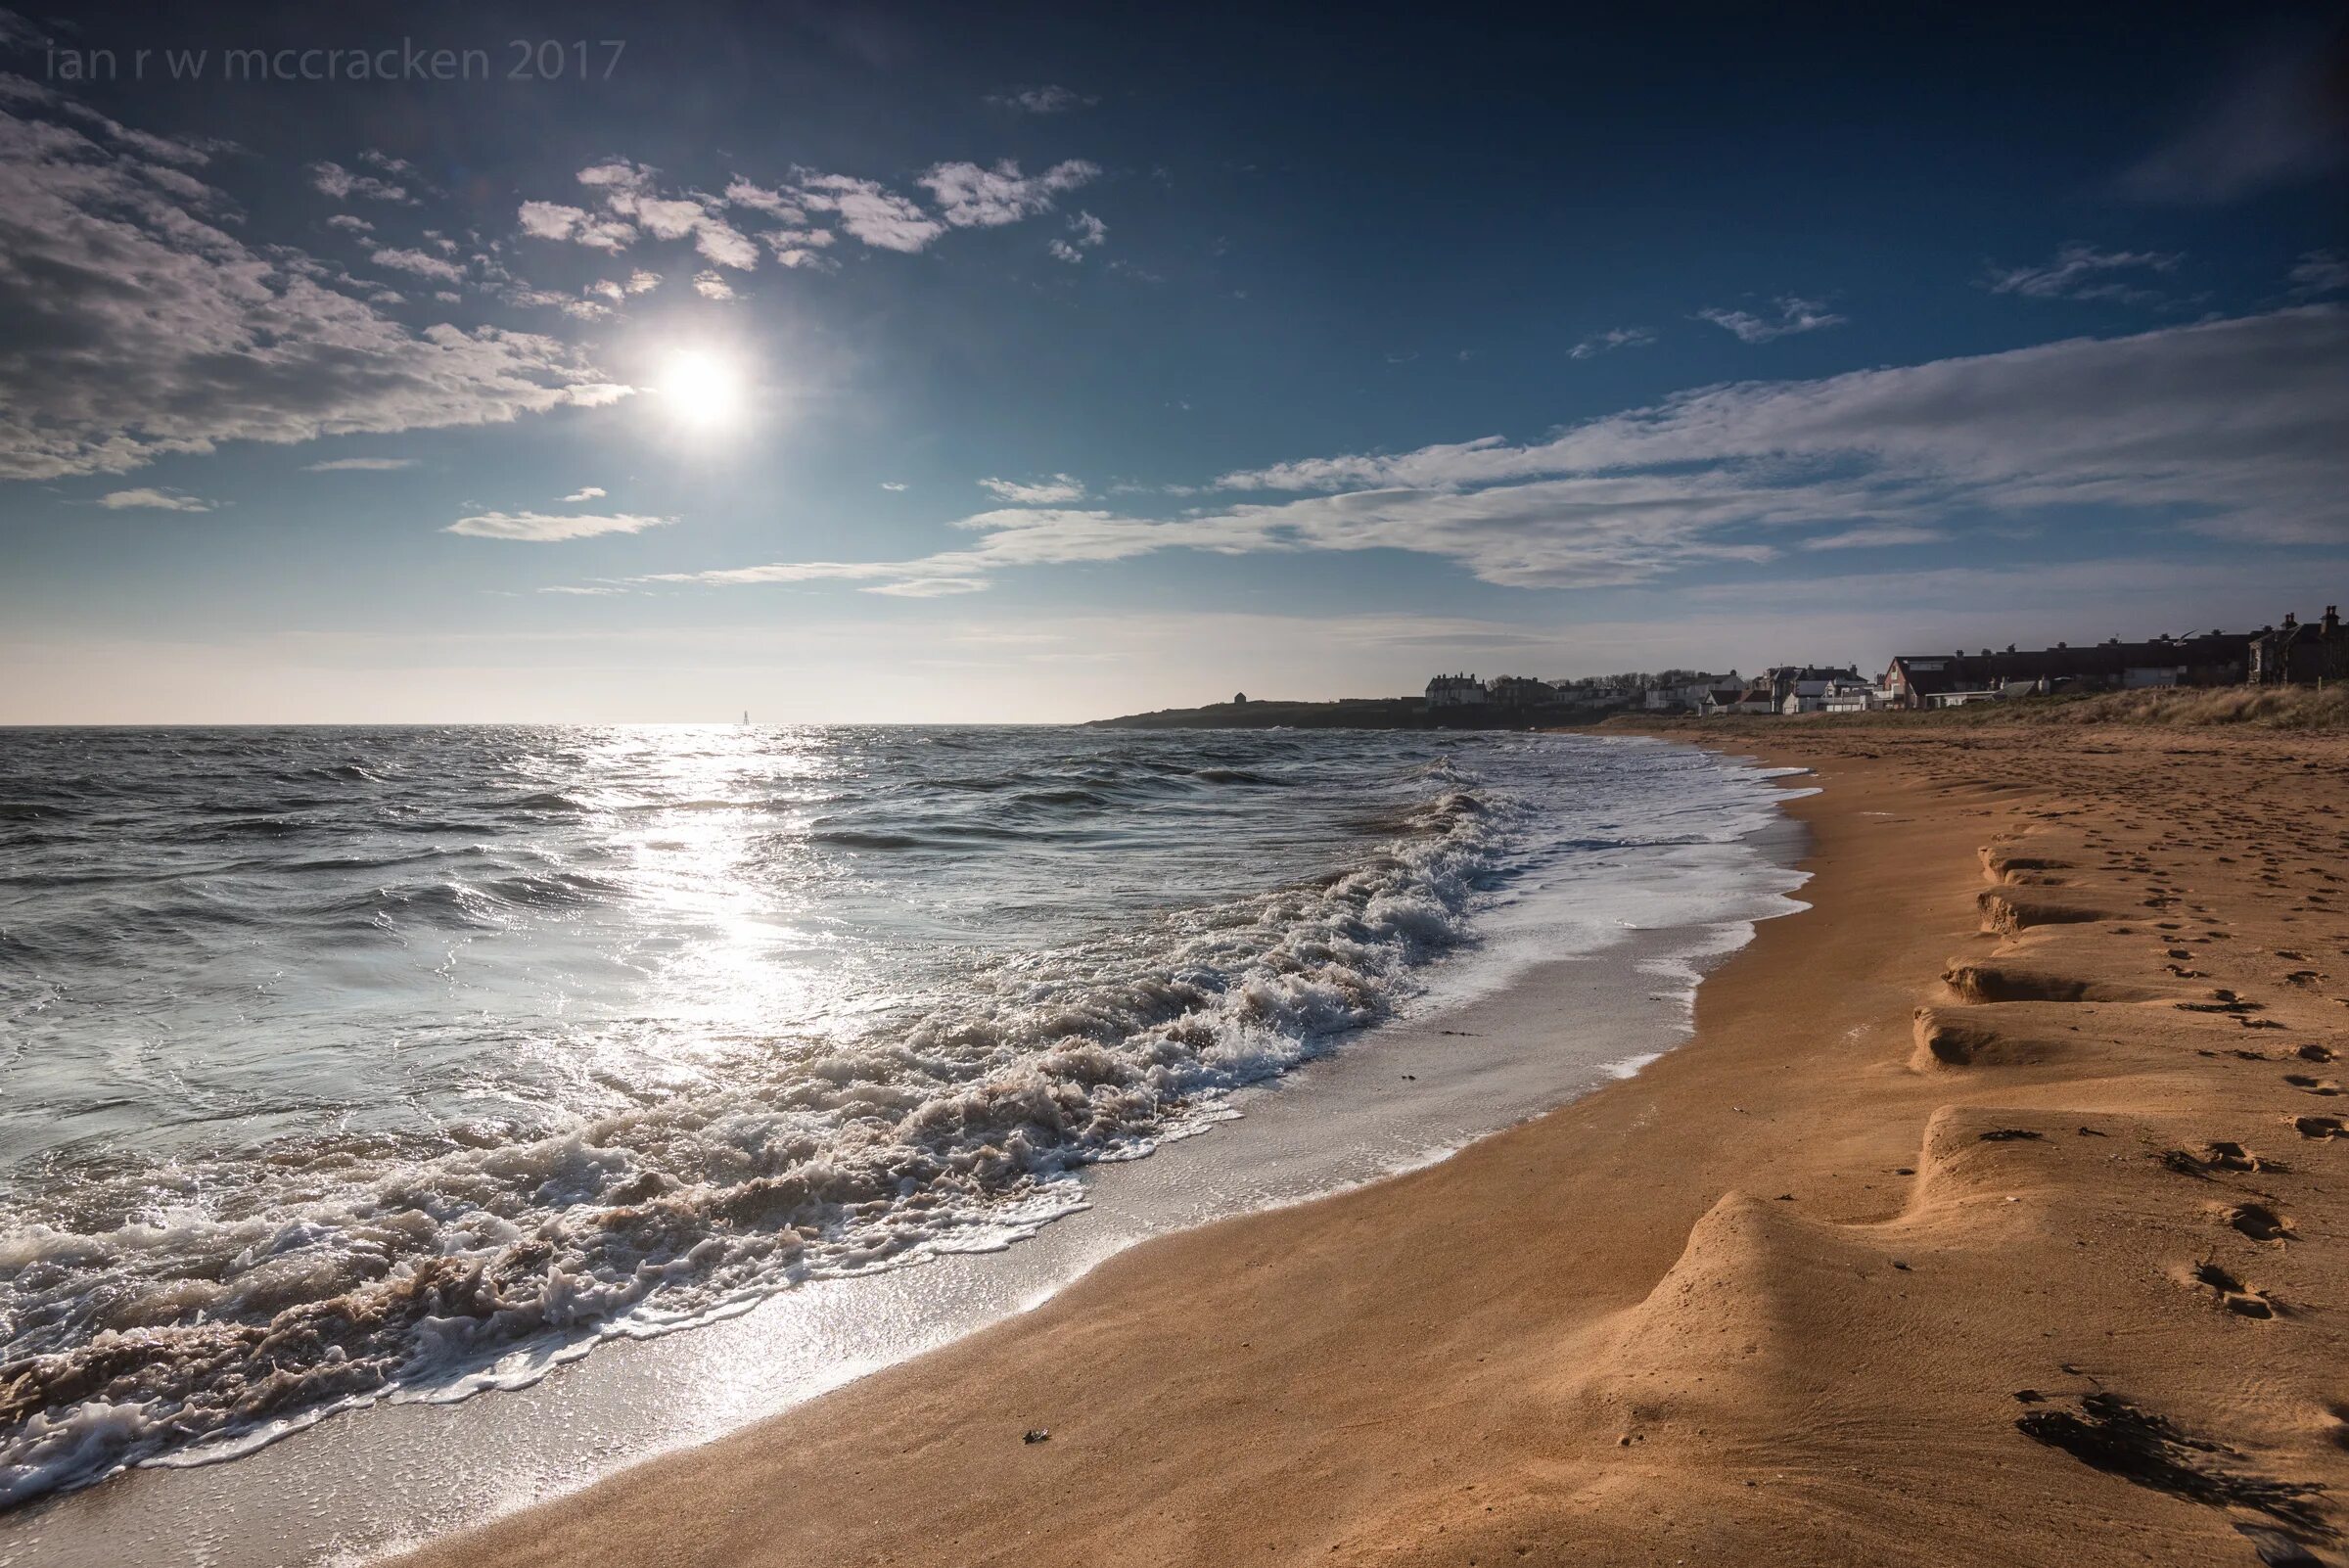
(2295, 653)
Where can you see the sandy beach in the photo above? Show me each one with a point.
(1996, 1209)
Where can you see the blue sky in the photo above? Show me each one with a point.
(899, 363)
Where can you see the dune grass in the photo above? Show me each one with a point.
(2287, 708)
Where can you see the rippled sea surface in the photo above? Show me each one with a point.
(335, 1062)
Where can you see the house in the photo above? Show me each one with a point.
(1688, 695)
(1456, 691)
(2297, 655)
(1818, 693)
(1514, 691)
(1853, 697)
(1940, 680)
(1783, 680)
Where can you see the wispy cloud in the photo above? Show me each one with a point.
(1876, 537)
(333, 179)
(972, 196)
(929, 587)
(359, 465)
(1057, 490)
(2319, 273)
(870, 211)
(545, 527)
(2274, 119)
(1606, 342)
(163, 331)
(1046, 100)
(2084, 272)
(1795, 314)
(1088, 233)
(152, 500)
(418, 263)
(585, 492)
(2228, 427)
(712, 285)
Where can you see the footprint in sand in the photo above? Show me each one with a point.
(2234, 1295)
(2261, 1222)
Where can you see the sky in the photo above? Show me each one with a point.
(938, 364)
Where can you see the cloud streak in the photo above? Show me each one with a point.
(1795, 314)
(2227, 427)
(2084, 272)
(551, 527)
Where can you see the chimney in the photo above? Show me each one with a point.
(2332, 620)
(2290, 621)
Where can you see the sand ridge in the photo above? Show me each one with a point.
(2000, 1209)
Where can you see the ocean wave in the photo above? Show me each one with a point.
(198, 1325)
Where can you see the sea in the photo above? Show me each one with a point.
(350, 1065)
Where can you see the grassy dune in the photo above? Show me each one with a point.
(2287, 708)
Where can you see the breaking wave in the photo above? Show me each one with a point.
(367, 1197)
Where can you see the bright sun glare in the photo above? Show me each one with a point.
(701, 390)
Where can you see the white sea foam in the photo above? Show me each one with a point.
(946, 1108)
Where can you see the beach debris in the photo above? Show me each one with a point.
(1037, 1434)
(2011, 1134)
(2275, 1549)
(2108, 1433)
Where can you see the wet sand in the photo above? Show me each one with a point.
(1998, 1208)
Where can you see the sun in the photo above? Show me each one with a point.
(701, 390)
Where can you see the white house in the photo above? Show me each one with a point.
(1456, 691)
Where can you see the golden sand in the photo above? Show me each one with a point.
(1998, 1212)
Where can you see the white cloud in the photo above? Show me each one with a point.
(422, 266)
(333, 179)
(1056, 491)
(1045, 100)
(870, 211)
(724, 244)
(352, 222)
(664, 217)
(545, 527)
(588, 492)
(1874, 538)
(1090, 231)
(2319, 273)
(712, 285)
(359, 465)
(163, 332)
(972, 196)
(1795, 314)
(893, 485)
(759, 199)
(550, 220)
(1614, 337)
(2083, 272)
(619, 174)
(928, 587)
(154, 502)
(2226, 427)
(800, 247)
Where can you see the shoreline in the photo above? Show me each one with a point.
(1832, 1281)
(1476, 1059)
